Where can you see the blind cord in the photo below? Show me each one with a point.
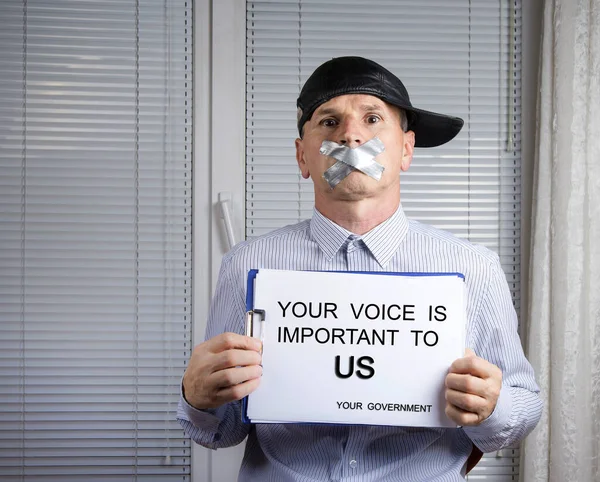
(137, 235)
(167, 293)
(469, 159)
(510, 145)
(23, 233)
(188, 103)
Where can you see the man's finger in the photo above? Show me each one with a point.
(461, 417)
(234, 358)
(232, 341)
(237, 392)
(469, 352)
(471, 365)
(234, 376)
(466, 401)
(466, 383)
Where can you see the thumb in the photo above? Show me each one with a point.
(469, 353)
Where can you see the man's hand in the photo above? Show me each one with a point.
(472, 389)
(221, 370)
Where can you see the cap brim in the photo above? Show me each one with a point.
(432, 129)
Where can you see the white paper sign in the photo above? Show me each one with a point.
(355, 348)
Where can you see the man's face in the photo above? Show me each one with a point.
(352, 120)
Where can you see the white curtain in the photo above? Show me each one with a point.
(563, 335)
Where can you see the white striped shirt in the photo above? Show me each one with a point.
(353, 453)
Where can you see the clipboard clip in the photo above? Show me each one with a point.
(250, 321)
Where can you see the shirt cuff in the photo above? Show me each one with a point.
(497, 420)
(207, 420)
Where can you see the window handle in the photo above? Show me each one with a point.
(225, 207)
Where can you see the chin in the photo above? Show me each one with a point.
(354, 190)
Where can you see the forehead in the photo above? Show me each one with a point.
(358, 102)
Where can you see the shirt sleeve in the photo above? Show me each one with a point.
(495, 338)
(223, 426)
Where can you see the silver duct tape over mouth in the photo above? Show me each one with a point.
(361, 158)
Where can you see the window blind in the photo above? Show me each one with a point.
(95, 238)
(458, 57)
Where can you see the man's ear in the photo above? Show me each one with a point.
(408, 150)
(300, 159)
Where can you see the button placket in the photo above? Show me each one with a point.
(353, 455)
(353, 248)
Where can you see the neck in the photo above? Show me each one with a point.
(359, 216)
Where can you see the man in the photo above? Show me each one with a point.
(363, 111)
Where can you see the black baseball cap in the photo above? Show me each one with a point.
(357, 75)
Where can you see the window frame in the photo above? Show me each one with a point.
(219, 156)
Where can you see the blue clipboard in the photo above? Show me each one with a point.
(251, 310)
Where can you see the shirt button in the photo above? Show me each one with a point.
(353, 464)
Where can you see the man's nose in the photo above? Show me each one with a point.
(350, 134)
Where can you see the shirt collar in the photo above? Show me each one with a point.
(382, 241)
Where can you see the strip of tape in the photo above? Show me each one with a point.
(361, 158)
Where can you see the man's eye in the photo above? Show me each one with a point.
(373, 119)
(329, 122)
